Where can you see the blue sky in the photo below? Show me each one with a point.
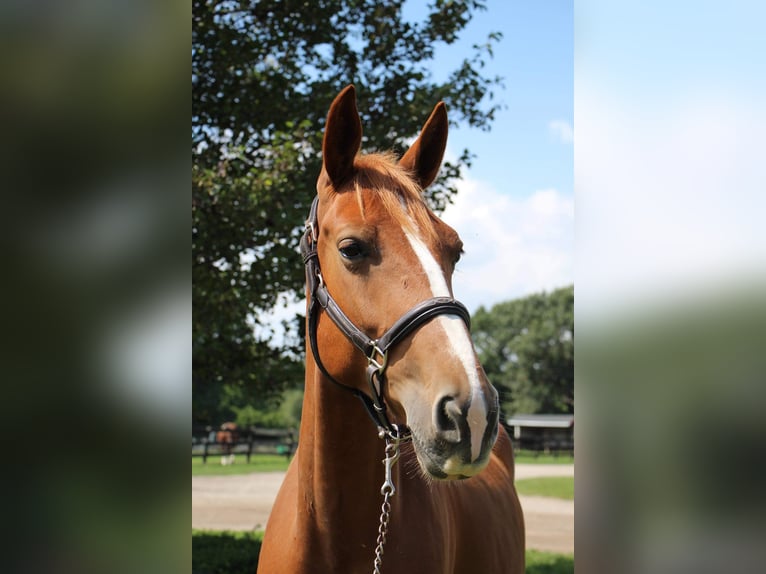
(535, 57)
(663, 50)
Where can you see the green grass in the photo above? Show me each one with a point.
(258, 463)
(549, 563)
(553, 486)
(228, 552)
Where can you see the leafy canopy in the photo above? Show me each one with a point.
(527, 349)
(263, 76)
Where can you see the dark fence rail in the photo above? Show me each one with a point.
(248, 441)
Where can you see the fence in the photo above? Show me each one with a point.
(249, 442)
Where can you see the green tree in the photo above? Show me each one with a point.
(286, 414)
(263, 76)
(527, 349)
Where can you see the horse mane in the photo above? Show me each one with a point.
(400, 195)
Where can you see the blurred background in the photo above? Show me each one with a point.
(670, 304)
(96, 305)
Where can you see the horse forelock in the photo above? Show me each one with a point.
(399, 193)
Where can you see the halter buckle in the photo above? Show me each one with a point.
(311, 227)
(314, 233)
(375, 354)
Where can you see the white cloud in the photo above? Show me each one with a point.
(562, 130)
(670, 196)
(513, 247)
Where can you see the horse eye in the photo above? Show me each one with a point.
(351, 249)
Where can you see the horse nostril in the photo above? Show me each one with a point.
(446, 418)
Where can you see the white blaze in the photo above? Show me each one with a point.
(460, 341)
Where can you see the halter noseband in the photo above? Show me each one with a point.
(376, 350)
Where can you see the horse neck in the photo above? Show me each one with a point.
(340, 454)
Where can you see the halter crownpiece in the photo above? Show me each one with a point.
(375, 350)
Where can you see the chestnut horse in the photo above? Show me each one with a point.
(382, 326)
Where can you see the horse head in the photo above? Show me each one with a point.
(383, 252)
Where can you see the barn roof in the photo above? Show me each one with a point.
(543, 421)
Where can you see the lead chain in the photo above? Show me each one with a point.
(387, 490)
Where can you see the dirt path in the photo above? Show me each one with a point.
(243, 502)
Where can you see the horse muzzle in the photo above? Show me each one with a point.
(458, 443)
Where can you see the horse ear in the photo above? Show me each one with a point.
(342, 137)
(424, 158)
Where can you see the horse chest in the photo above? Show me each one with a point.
(301, 538)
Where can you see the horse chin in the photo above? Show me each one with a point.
(440, 463)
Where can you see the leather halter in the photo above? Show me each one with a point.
(376, 350)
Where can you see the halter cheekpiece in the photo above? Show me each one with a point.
(375, 350)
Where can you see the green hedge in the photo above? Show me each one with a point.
(225, 552)
(549, 563)
(228, 552)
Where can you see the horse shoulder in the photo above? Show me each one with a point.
(281, 548)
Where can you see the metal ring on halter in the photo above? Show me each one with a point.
(397, 434)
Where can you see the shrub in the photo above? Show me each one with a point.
(286, 416)
(225, 552)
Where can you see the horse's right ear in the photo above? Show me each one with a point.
(342, 137)
(424, 158)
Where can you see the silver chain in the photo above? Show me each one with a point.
(387, 490)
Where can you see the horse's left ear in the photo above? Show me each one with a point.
(424, 158)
